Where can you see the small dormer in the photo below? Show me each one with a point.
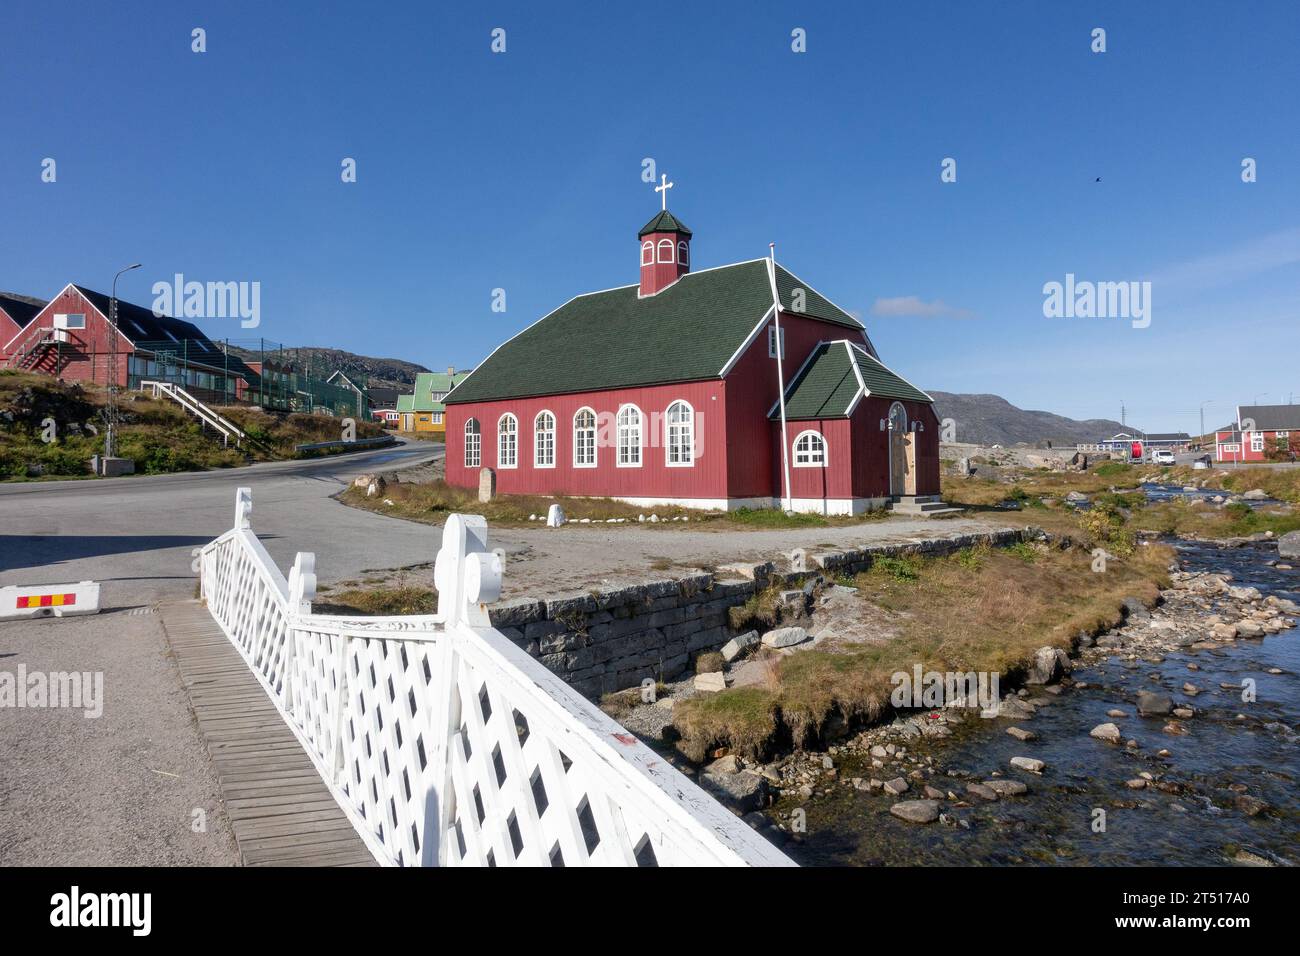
(665, 253)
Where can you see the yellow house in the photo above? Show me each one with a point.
(423, 411)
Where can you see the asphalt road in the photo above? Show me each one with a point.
(138, 536)
(131, 784)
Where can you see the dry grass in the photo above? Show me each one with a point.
(380, 602)
(1280, 483)
(986, 610)
(431, 501)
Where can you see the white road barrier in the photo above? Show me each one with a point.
(446, 744)
(44, 600)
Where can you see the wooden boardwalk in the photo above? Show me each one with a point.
(280, 809)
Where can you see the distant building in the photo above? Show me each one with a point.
(72, 337)
(1123, 441)
(16, 311)
(1260, 433)
(382, 398)
(426, 411)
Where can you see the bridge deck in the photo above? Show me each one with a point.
(280, 809)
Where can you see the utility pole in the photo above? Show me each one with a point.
(110, 443)
(780, 376)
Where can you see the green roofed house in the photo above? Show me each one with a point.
(738, 385)
(423, 409)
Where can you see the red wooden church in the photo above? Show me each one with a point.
(669, 392)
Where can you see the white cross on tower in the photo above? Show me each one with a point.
(663, 188)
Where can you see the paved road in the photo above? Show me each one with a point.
(138, 535)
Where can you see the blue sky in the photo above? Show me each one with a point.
(522, 171)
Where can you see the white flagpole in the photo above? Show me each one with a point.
(780, 375)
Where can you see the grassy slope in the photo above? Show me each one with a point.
(982, 610)
(156, 434)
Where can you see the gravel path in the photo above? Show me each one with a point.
(116, 790)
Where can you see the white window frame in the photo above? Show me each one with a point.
(538, 433)
(474, 448)
(437, 418)
(683, 253)
(513, 434)
(69, 321)
(685, 436)
(659, 254)
(1281, 434)
(633, 430)
(1256, 441)
(579, 432)
(648, 253)
(771, 341)
(811, 462)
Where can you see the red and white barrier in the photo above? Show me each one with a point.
(44, 600)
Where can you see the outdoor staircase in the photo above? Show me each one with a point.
(222, 426)
(32, 353)
(922, 506)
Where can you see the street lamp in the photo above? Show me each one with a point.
(109, 442)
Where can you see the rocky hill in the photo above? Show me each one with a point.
(385, 372)
(991, 419)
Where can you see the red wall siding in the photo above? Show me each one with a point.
(86, 356)
(751, 392)
(871, 447)
(707, 479)
(8, 329)
(833, 481)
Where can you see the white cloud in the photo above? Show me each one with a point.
(914, 306)
(1222, 268)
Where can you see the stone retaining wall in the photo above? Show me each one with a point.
(603, 641)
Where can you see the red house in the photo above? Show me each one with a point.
(16, 311)
(667, 393)
(72, 338)
(1261, 433)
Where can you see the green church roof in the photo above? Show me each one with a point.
(664, 222)
(616, 339)
(834, 376)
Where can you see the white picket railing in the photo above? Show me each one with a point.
(222, 425)
(444, 742)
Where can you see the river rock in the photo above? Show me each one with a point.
(1032, 764)
(1249, 629)
(1021, 734)
(1151, 704)
(785, 637)
(1288, 546)
(1107, 732)
(1050, 664)
(896, 786)
(1116, 712)
(916, 811)
(744, 791)
(933, 793)
(1256, 494)
(1006, 788)
(982, 791)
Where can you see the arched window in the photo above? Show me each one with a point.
(584, 439)
(683, 253)
(681, 435)
(629, 437)
(647, 253)
(507, 441)
(473, 444)
(665, 250)
(544, 440)
(897, 418)
(810, 450)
